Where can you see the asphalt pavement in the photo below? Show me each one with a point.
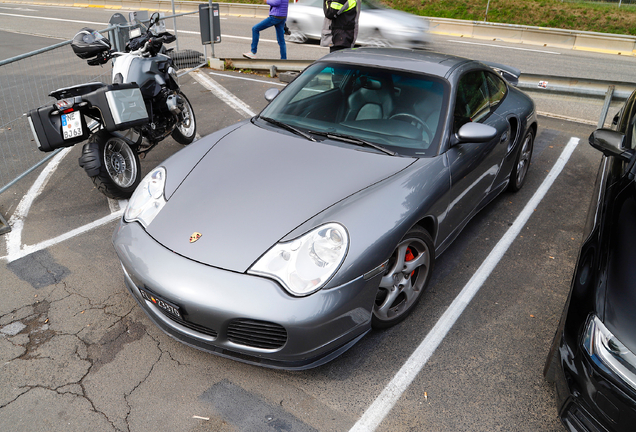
(77, 353)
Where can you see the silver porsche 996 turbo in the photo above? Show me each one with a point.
(282, 240)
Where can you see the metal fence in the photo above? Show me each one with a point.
(27, 80)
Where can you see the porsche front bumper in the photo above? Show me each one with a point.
(247, 318)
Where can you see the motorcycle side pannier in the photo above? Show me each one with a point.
(56, 131)
(122, 106)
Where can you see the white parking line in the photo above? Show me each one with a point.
(383, 404)
(247, 79)
(223, 94)
(15, 248)
(505, 47)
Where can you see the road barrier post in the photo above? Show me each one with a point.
(606, 105)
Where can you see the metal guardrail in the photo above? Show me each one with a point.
(547, 83)
(574, 86)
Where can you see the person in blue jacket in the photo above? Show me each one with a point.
(277, 17)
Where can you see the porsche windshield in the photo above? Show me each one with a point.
(398, 110)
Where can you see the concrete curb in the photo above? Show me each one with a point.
(537, 36)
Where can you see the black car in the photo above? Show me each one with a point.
(593, 356)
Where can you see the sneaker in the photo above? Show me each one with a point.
(249, 55)
(287, 31)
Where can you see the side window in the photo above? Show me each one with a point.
(472, 101)
(322, 82)
(497, 89)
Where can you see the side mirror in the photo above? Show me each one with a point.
(610, 143)
(270, 94)
(476, 132)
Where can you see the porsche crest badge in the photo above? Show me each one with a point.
(195, 236)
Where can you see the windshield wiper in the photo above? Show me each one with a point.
(353, 140)
(288, 127)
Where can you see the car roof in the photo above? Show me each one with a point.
(429, 62)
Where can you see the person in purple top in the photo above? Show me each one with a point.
(277, 17)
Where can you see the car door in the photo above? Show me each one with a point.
(474, 166)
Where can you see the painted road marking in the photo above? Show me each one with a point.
(247, 79)
(106, 24)
(223, 94)
(505, 47)
(383, 404)
(15, 248)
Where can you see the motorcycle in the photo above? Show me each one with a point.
(123, 120)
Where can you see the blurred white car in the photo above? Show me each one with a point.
(378, 26)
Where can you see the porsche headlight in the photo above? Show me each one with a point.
(148, 199)
(606, 349)
(304, 265)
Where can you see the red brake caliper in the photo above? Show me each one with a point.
(409, 257)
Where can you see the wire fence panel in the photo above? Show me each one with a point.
(24, 85)
(26, 82)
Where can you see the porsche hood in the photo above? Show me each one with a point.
(253, 187)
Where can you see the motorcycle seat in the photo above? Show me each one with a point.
(76, 90)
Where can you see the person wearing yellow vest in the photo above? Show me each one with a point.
(344, 22)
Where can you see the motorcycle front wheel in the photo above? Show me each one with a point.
(186, 129)
(112, 165)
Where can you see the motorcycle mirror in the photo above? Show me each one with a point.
(270, 94)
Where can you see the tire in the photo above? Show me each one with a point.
(408, 274)
(378, 40)
(297, 35)
(111, 164)
(522, 163)
(186, 129)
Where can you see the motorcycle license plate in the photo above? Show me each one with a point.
(71, 125)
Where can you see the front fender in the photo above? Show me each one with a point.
(378, 216)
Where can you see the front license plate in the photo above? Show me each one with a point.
(161, 303)
(71, 125)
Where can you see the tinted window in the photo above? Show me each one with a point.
(472, 102)
(626, 114)
(497, 89)
(396, 109)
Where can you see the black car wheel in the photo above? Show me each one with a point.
(409, 271)
(112, 165)
(522, 163)
(296, 34)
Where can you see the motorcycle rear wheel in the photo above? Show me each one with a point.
(113, 166)
(186, 129)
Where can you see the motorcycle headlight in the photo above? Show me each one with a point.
(148, 199)
(173, 74)
(605, 349)
(306, 264)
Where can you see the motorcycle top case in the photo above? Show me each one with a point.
(122, 106)
(56, 131)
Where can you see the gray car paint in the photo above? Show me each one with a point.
(254, 186)
(376, 208)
